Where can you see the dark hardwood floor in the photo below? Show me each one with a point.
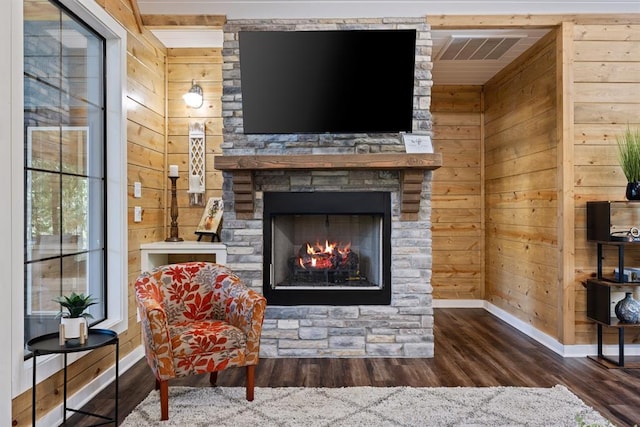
(472, 348)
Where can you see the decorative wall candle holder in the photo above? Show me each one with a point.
(173, 176)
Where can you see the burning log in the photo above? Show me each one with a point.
(331, 262)
(330, 256)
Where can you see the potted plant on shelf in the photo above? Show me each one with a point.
(73, 316)
(629, 157)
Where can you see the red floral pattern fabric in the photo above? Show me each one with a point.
(198, 317)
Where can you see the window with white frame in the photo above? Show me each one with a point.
(74, 164)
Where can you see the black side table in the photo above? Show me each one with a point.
(50, 344)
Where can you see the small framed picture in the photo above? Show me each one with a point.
(415, 143)
(211, 218)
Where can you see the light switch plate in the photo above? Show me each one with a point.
(137, 214)
(137, 190)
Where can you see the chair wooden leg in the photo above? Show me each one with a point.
(251, 369)
(164, 400)
(213, 378)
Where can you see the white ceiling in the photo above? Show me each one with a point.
(468, 72)
(477, 72)
(287, 9)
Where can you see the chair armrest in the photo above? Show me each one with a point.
(146, 306)
(244, 309)
(155, 329)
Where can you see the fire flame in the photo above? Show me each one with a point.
(329, 255)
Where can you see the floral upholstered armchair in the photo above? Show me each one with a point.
(196, 318)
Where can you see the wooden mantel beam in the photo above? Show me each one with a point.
(411, 167)
(384, 161)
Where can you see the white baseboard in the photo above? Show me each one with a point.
(459, 303)
(577, 350)
(88, 392)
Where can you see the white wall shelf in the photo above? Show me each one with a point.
(157, 253)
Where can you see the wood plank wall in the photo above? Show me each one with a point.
(521, 188)
(146, 163)
(204, 65)
(601, 95)
(520, 156)
(457, 199)
(607, 99)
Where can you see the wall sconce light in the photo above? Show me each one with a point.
(194, 98)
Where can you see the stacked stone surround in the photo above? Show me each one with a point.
(405, 327)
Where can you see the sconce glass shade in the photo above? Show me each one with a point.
(194, 98)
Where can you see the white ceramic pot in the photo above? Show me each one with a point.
(73, 326)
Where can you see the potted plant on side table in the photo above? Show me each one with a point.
(629, 157)
(73, 316)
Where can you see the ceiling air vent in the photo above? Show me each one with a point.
(470, 48)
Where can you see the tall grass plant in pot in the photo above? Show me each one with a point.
(629, 157)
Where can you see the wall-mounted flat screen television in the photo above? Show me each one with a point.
(355, 81)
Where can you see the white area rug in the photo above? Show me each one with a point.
(368, 406)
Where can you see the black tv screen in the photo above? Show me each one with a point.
(356, 81)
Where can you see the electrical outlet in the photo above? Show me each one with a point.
(137, 214)
(137, 190)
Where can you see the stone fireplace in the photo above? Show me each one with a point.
(327, 248)
(344, 321)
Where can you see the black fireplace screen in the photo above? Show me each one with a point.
(327, 248)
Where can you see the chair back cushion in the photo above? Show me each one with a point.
(193, 291)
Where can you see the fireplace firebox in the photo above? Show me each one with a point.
(327, 248)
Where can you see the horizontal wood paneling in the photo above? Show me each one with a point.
(205, 67)
(621, 72)
(457, 193)
(162, 21)
(612, 92)
(605, 50)
(186, 55)
(540, 161)
(600, 32)
(521, 184)
(607, 99)
(606, 112)
(516, 21)
(212, 129)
